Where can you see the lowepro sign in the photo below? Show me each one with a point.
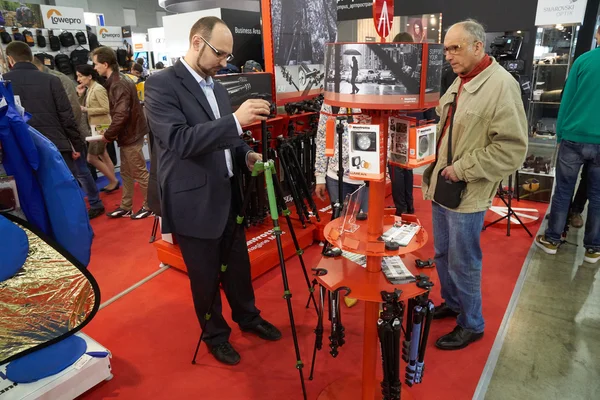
(553, 12)
(62, 17)
(109, 33)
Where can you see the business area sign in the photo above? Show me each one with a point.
(554, 12)
(110, 33)
(62, 17)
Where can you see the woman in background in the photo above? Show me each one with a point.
(94, 98)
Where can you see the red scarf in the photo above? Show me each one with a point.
(464, 79)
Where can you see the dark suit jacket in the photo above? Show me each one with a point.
(43, 96)
(194, 187)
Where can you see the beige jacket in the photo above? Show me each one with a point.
(489, 140)
(96, 102)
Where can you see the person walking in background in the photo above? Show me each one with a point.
(95, 105)
(45, 98)
(578, 133)
(82, 171)
(128, 127)
(355, 88)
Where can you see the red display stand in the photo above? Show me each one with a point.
(262, 247)
(367, 283)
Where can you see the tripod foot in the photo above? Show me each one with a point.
(333, 252)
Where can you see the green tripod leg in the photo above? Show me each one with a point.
(287, 214)
(269, 169)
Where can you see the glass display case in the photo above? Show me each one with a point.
(553, 57)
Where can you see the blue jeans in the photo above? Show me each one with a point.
(347, 188)
(84, 177)
(458, 262)
(571, 156)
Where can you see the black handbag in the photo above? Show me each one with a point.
(448, 193)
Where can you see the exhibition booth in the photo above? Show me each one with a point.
(122, 323)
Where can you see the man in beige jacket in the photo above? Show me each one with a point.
(489, 142)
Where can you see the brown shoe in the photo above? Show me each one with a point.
(576, 220)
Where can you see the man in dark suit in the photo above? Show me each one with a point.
(197, 142)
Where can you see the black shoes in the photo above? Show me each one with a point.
(225, 353)
(95, 212)
(265, 331)
(458, 339)
(443, 311)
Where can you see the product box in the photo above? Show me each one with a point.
(367, 160)
(535, 186)
(411, 146)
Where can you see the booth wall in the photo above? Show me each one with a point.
(145, 10)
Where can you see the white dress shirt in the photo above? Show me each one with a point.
(207, 86)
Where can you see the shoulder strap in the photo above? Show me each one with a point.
(453, 108)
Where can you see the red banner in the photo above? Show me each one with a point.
(383, 17)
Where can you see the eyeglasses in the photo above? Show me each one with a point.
(218, 53)
(454, 49)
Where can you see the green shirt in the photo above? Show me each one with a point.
(577, 118)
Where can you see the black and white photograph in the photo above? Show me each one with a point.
(302, 29)
(302, 79)
(375, 69)
(434, 68)
(242, 87)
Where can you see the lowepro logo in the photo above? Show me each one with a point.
(56, 18)
(105, 35)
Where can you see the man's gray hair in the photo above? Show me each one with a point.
(473, 28)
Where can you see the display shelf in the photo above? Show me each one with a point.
(361, 242)
(365, 285)
(551, 174)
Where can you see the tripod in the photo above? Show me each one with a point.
(510, 212)
(276, 203)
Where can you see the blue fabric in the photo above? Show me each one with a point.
(14, 247)
(571, 156)
(458, 260)
(46, 362)
(64, 200)
(21, 161)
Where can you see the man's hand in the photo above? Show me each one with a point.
(449, 173)
(252, 159)
(251, 111)
(75, 155)
(321, 191)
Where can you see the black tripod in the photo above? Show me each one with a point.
(509, 192)
(328, 249)
(276, 203)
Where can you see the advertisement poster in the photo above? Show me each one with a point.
(350, 10)
(63, 17)
(372, 73)
(20, 15)
(247, 36)
(242, 87)
(417, 27)
(301, 31)
(434, 72)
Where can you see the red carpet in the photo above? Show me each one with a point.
(152, 332)
(121, 255)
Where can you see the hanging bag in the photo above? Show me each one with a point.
(448, 193)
